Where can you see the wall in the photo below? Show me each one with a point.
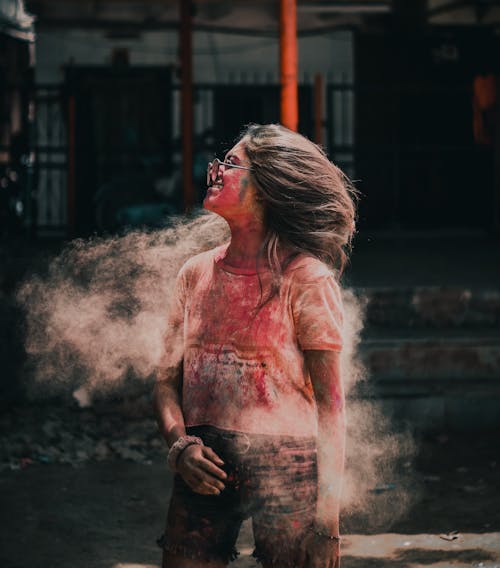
(218, 58)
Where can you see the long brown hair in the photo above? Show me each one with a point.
(309, 203)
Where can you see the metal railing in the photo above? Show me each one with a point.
(393, 164)
(51, 160)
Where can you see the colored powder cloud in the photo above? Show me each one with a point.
(95, 323)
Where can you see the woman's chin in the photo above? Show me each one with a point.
(211, 197)
(211, 205)
(207, 203)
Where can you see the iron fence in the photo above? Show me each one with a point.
(51, 155)
(404, 179)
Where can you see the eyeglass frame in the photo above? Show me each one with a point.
(220, 163)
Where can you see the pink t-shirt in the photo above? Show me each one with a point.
(244, 367)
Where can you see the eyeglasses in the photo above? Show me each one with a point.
(213, 169)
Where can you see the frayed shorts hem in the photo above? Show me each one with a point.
(192, 553)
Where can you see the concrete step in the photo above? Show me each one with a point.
(441, 412)
(433, 382)
(432, 358)
(431, 307)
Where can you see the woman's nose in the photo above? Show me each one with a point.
(222, 171)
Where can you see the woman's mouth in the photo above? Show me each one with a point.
(214, 187)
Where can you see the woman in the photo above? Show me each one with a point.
(250, 397)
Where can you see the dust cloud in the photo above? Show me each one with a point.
(97, 317)
(379, 485)
(96, 320)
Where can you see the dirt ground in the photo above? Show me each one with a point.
(63, 505)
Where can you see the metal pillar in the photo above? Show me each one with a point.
(186, 52)
(288, 64)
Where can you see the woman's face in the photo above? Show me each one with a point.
(232, 194)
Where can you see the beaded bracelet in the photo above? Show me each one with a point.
(325, 535)
(178, 447)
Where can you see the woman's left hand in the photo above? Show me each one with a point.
(319, 552)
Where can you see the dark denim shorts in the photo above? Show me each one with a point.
(272, 479)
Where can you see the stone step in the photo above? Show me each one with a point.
(433, 382)
(445, 412)
(432, 358)
(431, 307)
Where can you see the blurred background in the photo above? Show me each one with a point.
(401, 93)
(111, 109)
(109, 113)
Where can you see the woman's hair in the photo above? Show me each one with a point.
(309, 203)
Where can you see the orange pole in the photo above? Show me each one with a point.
(318, 108)
(288, 64)
(186, 51)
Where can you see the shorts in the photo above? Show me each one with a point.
(272, 479)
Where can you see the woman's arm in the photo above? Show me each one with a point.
(317, 550)
(199, 466)
(166, 403)
(324, 369)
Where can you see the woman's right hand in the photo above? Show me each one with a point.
(200, 467)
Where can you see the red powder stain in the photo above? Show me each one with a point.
(260, 385)
(203, 396)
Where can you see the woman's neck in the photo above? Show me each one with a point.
(247, 239)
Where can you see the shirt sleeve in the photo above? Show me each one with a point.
(173, 339)
(177, 301)
(318, 314)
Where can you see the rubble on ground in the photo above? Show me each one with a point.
(67, 434)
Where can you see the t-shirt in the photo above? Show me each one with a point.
(243, 359)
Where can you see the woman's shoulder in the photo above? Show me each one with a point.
(305, 268)
(201, 261)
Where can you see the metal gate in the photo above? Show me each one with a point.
(51, 148)
(51, 157)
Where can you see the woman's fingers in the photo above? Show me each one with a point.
(205, 484)
(202, 486)
(210, 480)
(318, 552)
(200, 472)
(192, 479)
(211, 463)
(201, 481)
(212, 456)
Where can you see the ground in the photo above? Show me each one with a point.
(87, 489)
